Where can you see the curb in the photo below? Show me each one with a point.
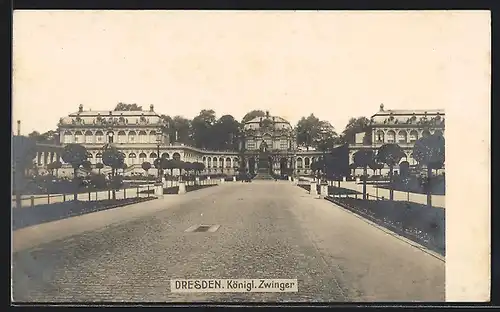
(115, 206)
(368, 219)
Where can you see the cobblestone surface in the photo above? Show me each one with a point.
(268, 230)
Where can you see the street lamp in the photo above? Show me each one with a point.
(324, 146)
(159, 138)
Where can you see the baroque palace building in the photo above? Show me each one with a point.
(268, 142)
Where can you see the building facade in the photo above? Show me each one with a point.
(403, 127)
(142, 135)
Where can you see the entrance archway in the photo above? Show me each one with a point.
(251, 165)
(284, 166)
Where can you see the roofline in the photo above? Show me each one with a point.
(419, 112)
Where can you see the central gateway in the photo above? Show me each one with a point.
(264, 166)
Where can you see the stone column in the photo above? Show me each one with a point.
(313, 190)
(324, 189)
(182, 188)
(159, 190)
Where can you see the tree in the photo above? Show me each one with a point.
(177, 164)
(404, 168)
(124, 167)
(146, 166)
(326, 136)
(179, 129)
(362, 159)
(375, 165)
(252, 114)
(113, 158)
(430, 152)
(202, 129)
(87, 165)
(167, 164)
(198, 167)
(356, 125)
(353, 167)
(188, 166)
(390, 154)
(307, 130)
(75, 155)
(99, 166)
(56, 165)
(127, 107)
(226, 132)
(49, 137)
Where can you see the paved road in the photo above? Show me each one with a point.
(268, 230)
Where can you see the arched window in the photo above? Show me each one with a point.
(209, 162)
(379, 136)
(413, 136)
(176, 156)
(68, 137)
(307, 162)
(153, 156)
(79, 137)
(131, 137)
(299, 163)
(228, 162)
(98, 155)
(402, 136)
(110, 136)
(122, 137)
(143, 136)
(152, 137)
(391, 136)
(215, 162)
(89, 137)
(142, 157)
(99, 137)
(132, 157)
(221, 162)
(165, 155)
(426, 133)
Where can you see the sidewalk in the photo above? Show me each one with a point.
(58, 198)
(437, 200)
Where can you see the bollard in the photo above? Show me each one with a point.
(137, 192)
(48, 198)
(89, 196)
(182, 188)
(324, 189)
(32, 201)
(64, 197)
(109, 194)
(148, 190)
(124, 193)
(313, 190)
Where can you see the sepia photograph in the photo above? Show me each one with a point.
(250, 156)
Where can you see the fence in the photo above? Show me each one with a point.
(132, 192)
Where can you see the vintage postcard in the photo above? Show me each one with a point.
(251, 156)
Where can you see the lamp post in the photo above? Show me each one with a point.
(324, 146)
(158, 143)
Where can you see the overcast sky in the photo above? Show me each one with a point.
(333, 64)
